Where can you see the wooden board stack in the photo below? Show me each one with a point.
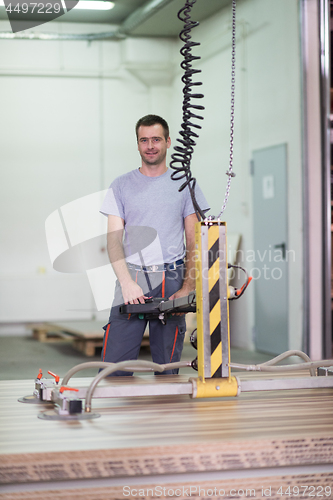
(277, 444)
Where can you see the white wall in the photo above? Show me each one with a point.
(68, 110)
(268, 112)
(67, 129)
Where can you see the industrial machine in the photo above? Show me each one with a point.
(212, 340)
(210, 302)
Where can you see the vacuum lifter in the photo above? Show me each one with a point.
(211, 303)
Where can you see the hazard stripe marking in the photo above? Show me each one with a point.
(214, 273)
(215, 317)
(218, 372)
(214, 296)
(216, 361)
(214, 301)
(213, 253)
(215, 339)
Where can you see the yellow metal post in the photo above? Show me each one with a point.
(213, 337)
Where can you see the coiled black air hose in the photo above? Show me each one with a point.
(181, 159)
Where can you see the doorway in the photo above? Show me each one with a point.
(270, 255)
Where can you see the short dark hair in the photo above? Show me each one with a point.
(149, 120)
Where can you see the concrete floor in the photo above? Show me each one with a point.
(22, 357)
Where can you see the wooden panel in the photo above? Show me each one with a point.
(304, 486)
(151, 436)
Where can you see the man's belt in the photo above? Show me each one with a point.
(157, 267)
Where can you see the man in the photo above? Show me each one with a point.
(147, 218)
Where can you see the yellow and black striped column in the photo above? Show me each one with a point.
(212, 300)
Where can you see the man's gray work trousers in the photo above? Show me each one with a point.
(123, 333)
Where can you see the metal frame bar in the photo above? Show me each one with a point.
(326, 172)
(286, 384)
(205, 301)
(305, 185)
(189, 388)
(131, 390)
(224, 303)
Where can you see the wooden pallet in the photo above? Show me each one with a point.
(44, 333)
(85, 336)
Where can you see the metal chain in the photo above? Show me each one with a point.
(229, 172)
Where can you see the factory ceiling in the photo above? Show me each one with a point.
(141, 17)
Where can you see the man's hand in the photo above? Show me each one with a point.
(132, 293)
(182, 292)
(189, 280)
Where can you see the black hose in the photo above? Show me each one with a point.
(184, 152)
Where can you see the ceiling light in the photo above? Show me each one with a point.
(94, 5)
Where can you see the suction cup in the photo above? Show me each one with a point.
(54, 415)
(32, 399)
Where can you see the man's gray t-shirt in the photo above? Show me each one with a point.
(154, 211)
